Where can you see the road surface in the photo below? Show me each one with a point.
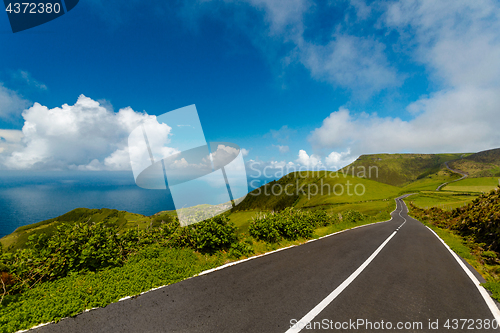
(395, 272)
(464, 175)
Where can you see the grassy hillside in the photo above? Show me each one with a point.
(399, 169)
(315, 190)
(367, 185)
(472, 231)
(483, 164)
(122, 220)
(443, 200)
(477, 185)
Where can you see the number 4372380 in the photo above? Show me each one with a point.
(33, 8)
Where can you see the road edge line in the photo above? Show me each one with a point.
(288, 247)
(302, 323)
(484, 293)
(213, 270)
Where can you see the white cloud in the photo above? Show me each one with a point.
(84, 136)
(337, 160)
(458, 120)
(342, 59)
(313, 161)
(350, 62)
(28, 79)
(282, 149)
(244, 152)
(283, 134)
(459, 43)
(10, 140)
(11, 104)
(458, 40)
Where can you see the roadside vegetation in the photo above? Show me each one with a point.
(88, 264)
(472, 231)
(89, 258)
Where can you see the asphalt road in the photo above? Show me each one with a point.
(412, 279)
(464, 175)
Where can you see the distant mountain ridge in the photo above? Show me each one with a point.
(482, 164)
(402, 169)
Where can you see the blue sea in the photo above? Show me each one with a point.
(30, 197)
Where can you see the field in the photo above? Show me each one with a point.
(443, 200)
(431, 182)
(478, 185)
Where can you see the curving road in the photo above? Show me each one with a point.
(395, 272)
(464, 175)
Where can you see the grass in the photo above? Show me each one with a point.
(431, 182)
(121, 219)
(402, 169)
(478, 185)
(152, 267)
(71, 295)
(443, 200)
(242, 219)
(459, 245)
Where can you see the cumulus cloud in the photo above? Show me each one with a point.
(459, 43)
(84, 136)
(244, 152)
(313, 161)
(10, 140)
(460, 120)
(336, 160)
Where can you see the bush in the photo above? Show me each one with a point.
(81, 247)
(211, 235)
(241, 249)
(352, 216)
(85, 247)
(287, 224)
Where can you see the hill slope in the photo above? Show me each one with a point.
(400, 169)
(122, 220)
(314, 189)
(483, 164)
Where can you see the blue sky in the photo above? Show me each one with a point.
(312, 83)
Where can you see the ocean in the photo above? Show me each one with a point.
(30, 197)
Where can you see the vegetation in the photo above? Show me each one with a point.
(477, 185)
(444, 200)
(473, 231)
(401, 169)
(287, 224)
(483, 164)
(315, 190)
(92, 257)
(87, 264)
(152, 267)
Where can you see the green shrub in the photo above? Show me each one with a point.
(352, 216)
(211, 235)
(289, 224)
(241, 249)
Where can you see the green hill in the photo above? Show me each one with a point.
(483, 164)
(122, 220)
(318, 190)
(399, 169)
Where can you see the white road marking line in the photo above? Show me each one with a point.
(487, 298)
(325, 302)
